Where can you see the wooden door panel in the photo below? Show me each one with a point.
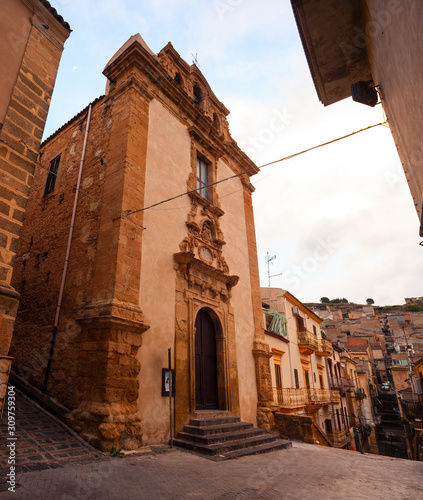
(205, 363)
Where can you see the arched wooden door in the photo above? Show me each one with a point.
(206, 393)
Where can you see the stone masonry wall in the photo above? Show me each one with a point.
(40, 259)
(20, 138)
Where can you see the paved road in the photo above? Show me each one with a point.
(302, 472)
(53, 463)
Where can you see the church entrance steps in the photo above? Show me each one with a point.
(223, 438)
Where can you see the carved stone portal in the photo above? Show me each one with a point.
(203, 281)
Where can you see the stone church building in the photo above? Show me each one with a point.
(116, 279)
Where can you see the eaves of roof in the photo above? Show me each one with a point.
(53, 11)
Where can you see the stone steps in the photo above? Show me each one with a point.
(223, 438)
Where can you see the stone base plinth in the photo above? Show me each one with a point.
(107, 415)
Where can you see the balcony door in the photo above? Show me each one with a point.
(307, 383)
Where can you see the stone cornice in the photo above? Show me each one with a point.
(113, 312)
(187, 262)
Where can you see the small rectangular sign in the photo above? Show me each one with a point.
(165, 382)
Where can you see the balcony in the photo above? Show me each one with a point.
(289, 398)
(347, 384)
(335, 397)
(324, 348)
(337, 438)
(360, 394)
(307, 343)
(322, 397)
(335, 382)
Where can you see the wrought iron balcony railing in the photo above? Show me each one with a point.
(359, 393)
(348, 384)
(324, 347)
(335, 382)
(307, 343)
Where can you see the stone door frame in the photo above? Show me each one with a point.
(193, 300)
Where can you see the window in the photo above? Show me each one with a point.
(178, 79)
(197, 94)
(314, 330)
(202, 178)
(338, 419)
(52, 175)
(278, 376)
(300, 324)
(297, 381)
(322, 385)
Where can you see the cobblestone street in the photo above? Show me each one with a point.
(302, 472)
(53, 463)
(42, 441)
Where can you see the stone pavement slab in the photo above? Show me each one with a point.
(42, 440)
(302, 472)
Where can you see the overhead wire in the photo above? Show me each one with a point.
(127, 213)
(289, 157)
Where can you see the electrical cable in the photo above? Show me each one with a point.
(289, 157)
(294, 155)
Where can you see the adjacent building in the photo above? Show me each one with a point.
(369, 49)
(316, 385)
(32, 35)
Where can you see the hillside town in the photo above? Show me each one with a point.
(140, 352)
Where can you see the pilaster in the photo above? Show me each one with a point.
(261, 350)
(112, 322)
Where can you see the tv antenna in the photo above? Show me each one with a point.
(269, 261)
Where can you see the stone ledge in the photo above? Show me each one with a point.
(119, 314)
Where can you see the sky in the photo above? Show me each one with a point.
(340, 219)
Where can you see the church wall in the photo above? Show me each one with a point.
(168, 167)
(41, 253)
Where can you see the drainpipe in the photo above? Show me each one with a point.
(65, 266)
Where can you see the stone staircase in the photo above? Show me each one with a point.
(225, 437)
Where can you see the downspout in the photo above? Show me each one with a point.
(65, 266)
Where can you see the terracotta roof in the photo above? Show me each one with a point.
(356, 348)
(355, 341)
(71, 120)
(51, 9)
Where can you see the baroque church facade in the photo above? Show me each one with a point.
(117, 277)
